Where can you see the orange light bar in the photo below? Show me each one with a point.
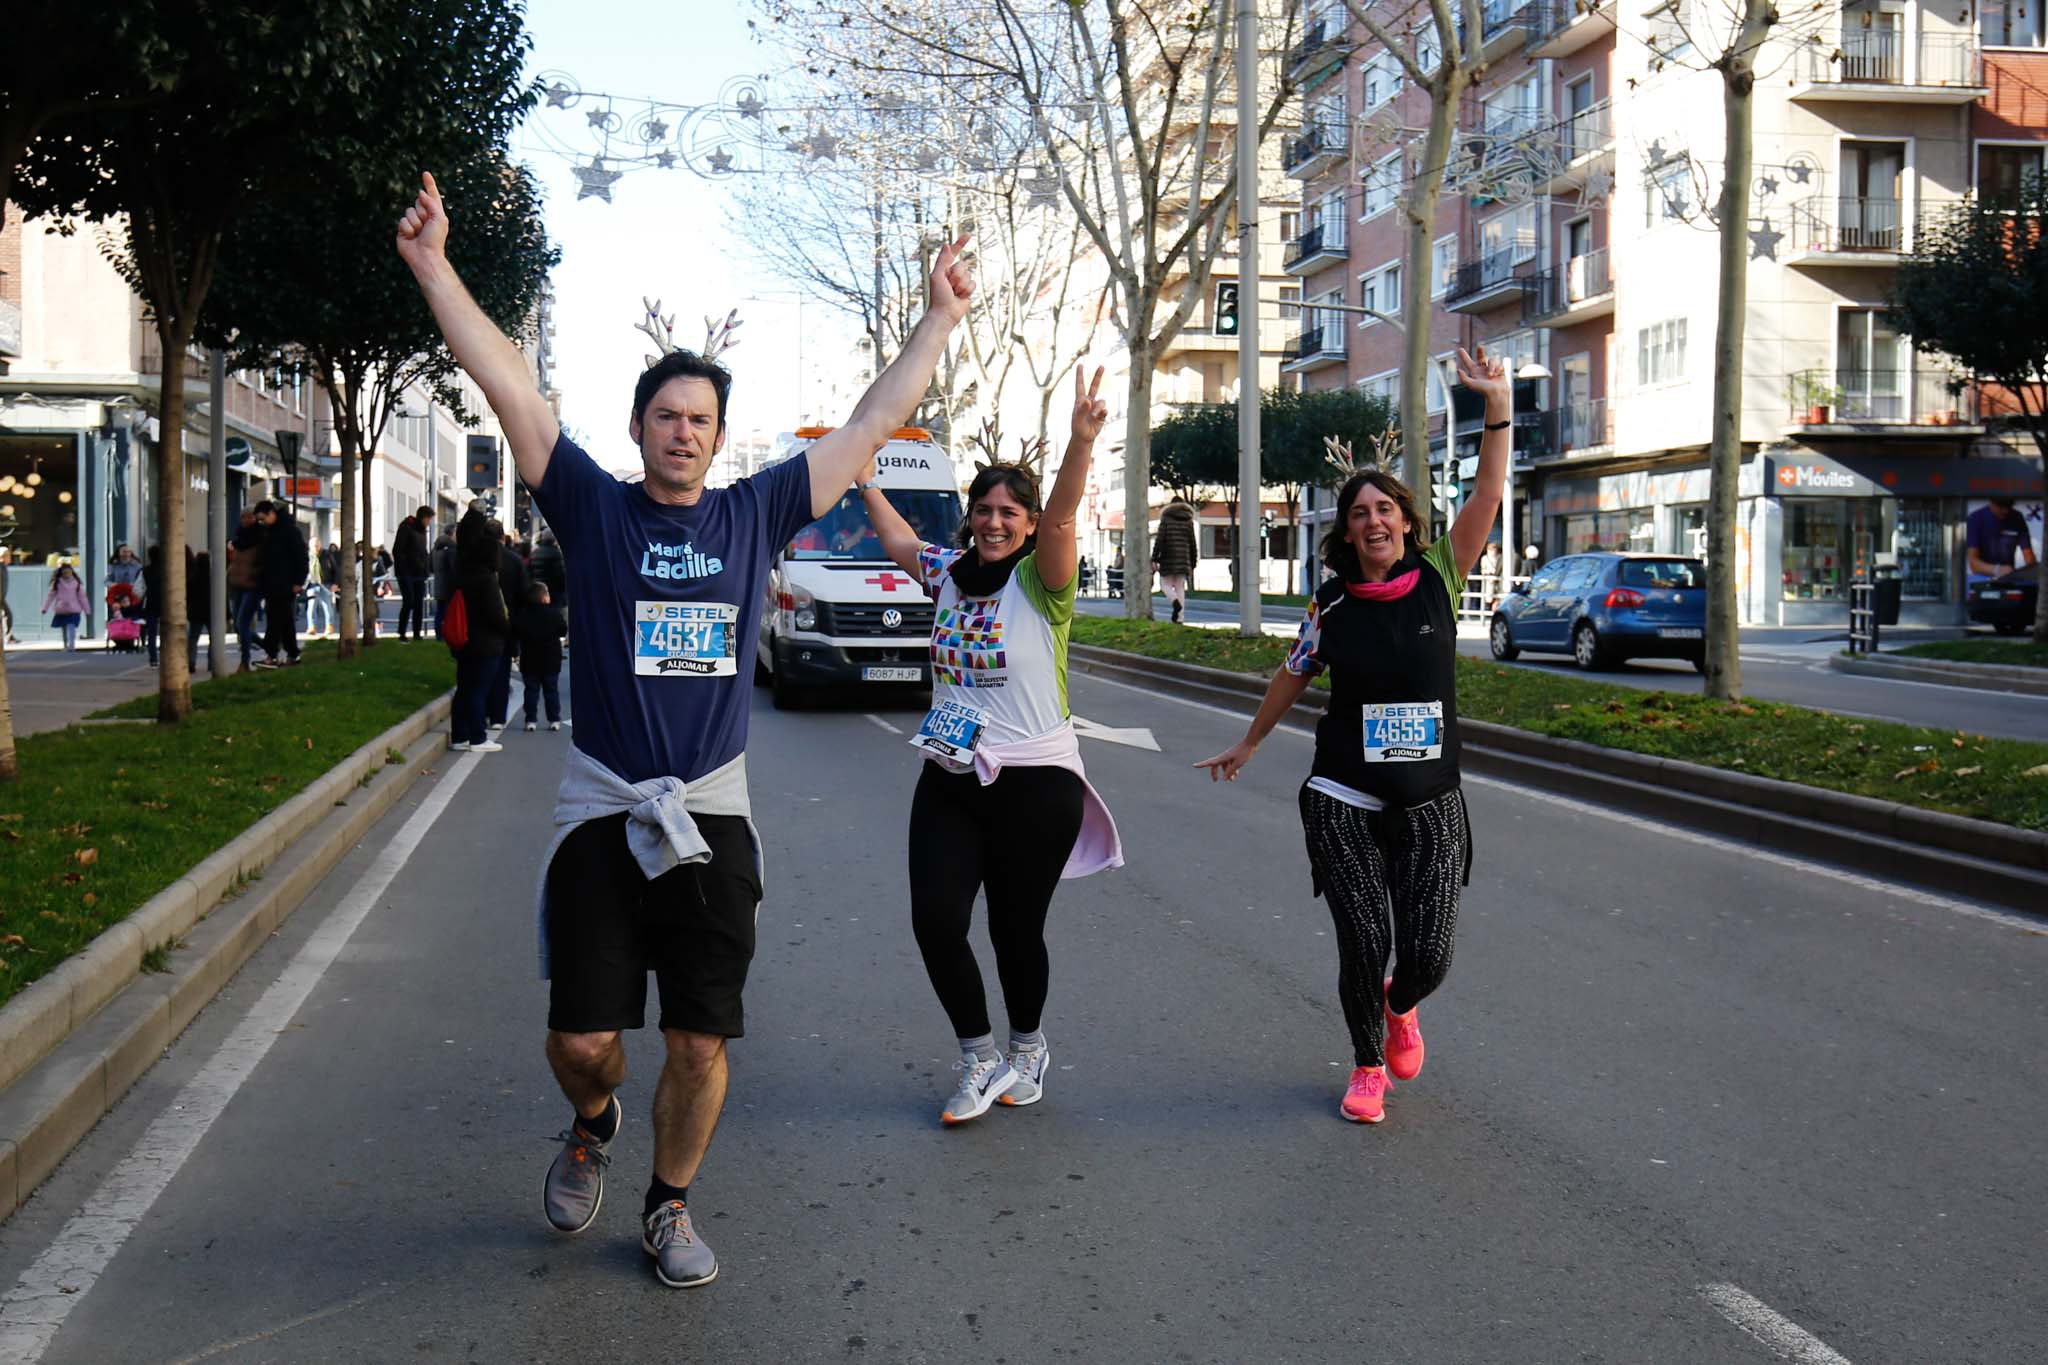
(900, 434)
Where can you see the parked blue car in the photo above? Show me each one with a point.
(1602, 608)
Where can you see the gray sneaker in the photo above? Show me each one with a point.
(680, 1260)
(1029, 1088)
(980, 1082)
(574, 1190)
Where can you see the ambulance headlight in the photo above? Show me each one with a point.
(806, 619)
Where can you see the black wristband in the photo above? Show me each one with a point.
(1500, 426)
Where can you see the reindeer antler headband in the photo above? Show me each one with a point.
(718, 335)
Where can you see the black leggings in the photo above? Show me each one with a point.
(1366, 862)
(1011, 837)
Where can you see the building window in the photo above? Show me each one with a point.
(1660, 353)
(2009, 23)
(1443, 265)
(1429, 48)
(1438, 398)
(1917, 542)
(1668, 23)
(1381, 292)
(1382, 184)
(2002, 171)
(1814, 549)
(1382, 385)
(1507, 240)
(1382, 80)
(1669, 194)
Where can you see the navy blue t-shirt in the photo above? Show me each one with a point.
(664, 604)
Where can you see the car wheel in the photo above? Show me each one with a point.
(1501, 642)
(762, 677)
(1699, 663)
(1587, 651)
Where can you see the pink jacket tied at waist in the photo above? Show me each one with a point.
(1097, 847)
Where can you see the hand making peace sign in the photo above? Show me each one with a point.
(1090, 412)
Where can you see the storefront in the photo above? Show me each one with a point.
(1651, 511)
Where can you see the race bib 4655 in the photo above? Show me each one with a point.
(685, 639)
(1404, 731)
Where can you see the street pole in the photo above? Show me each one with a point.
(1248, 318)
(216, 514)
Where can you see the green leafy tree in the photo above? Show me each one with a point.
(312, 282)
(242, 90)
(1972, 290)
(1194, 452)
(1292, 456)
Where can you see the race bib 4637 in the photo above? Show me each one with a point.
(1404, 731)
(685, 639)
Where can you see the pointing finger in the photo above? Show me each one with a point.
(427, 180)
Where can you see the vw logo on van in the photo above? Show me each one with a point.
(891, 619)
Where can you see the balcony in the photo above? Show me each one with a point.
(1851, 230)
(1878, 65)
(1317, 148)
(1486, 284)
(1321, 47)
(1578, 143)
(1579, 292)
(1561, 27)
(1316, 347)
(1320, 246)
(10, 328)
(1851, 402)
(1580, 428)
(1505, 26)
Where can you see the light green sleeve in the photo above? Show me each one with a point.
(1056, 607)
(1440, 557)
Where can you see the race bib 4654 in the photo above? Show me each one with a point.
(685, 639)
(1404, 731)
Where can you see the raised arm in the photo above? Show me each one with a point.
(484, 352)
(1056, 551)
(899, 541)
(840, 454)
(1488, 378)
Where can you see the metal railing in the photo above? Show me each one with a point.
(1496, 15)
(1318, 239)
(1938, 398)
(1314, 141)
(1317, 36)
(1879, 56)
(1582, 425)
(1560, 290)
(1849, 223)
(1488, 272)
(1551, 17)
(1586, 132)
(1324, 340)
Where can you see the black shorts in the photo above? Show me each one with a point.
(608, 926)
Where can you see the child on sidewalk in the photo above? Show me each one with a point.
(537, 630)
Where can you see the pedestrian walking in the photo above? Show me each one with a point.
(198, 607)
(539, 626)
(1175, 552)
(320, 604)
(153, 599)
(245, 579)
(1003, 804)
(283, 575)
(488, 627)
(6, 608)
(1382, 810)
(414, 564)
(65, 603)
(512, 584)
(656, 865)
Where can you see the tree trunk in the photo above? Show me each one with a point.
(345, 648)
(1724, 459)
(174, 679)
(1417, 304)
(1138, 478)
(369, 618)
(10, 766)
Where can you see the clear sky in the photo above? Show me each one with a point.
(665, 234)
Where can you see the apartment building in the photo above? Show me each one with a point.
(1573, 237)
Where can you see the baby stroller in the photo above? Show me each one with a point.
(124, 630)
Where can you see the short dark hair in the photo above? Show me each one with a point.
(265, 506)
(425, 514)
(1023, 486)
(681, 365)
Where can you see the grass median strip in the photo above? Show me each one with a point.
(106, 816)
(2017, 653)
(2002, 780)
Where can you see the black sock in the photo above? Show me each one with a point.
(659, 1193)
(605, 1126)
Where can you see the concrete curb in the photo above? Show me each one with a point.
(72, 1044)
(2019, 678)
(1996, 862)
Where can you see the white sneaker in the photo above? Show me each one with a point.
(530, 727)
(460, 746)
(489, 746)
(1029, 1063)
(980, 1082)
(554, 725)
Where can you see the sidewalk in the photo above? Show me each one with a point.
(50, 689)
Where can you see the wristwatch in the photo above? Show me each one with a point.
(870, 483)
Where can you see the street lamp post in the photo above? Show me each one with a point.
(288, 443)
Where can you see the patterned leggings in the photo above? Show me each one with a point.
(1366, 862)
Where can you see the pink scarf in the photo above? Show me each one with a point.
(1399, 586)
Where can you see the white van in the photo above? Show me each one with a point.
(840, 614)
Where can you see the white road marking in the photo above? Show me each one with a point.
(1138, 738)
(1784, 1338)
(1751, 851)
(35, 1309)
(883, 723)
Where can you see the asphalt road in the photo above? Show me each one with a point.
(1671, 1084)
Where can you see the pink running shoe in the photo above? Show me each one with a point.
(1404, 1041)
(1365, 1100)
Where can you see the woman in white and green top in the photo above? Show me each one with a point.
(1003, 804)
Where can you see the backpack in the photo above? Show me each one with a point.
(455, 623)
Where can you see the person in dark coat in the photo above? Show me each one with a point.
(153, 598)
(512, 585)
(414, 564)
(539, 626)
(282, 575)
(477, 663)
(198, 605)
(547, 566)
(1175, 550)
(444, 578)
(245, 579)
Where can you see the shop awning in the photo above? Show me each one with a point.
(1856, 474)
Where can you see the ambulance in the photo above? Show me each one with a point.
(841, 616)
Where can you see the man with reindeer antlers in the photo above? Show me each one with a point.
(656, 865)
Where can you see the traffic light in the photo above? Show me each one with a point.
(1226, 308)
(483, 463)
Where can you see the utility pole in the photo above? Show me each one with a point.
(1248, 318)
(216, 514)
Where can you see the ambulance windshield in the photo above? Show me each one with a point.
(844, 532)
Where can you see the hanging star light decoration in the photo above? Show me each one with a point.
(750, 106)
(1767, 186)
(927, 159)
(1043, 190)
(1763, 242)
(665, 160)
(559, 95)
(598, 117)
(822, 146)
(1800, 172)
(594, 181)
(1599, 185)
(720, 161)
(654, 130)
